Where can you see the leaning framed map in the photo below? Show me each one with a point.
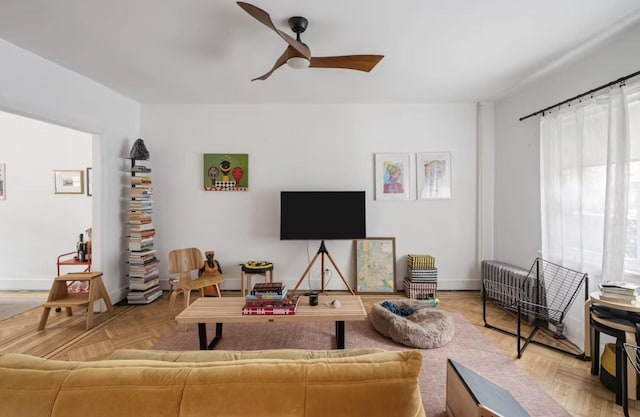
(375, 265)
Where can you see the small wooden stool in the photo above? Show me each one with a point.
(59, 296)
(245, 279)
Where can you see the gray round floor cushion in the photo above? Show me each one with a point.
(427, 328)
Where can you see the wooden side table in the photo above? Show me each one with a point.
(245, 279)
(592, 339)
(59, 296)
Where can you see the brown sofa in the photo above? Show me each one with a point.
(278, 383)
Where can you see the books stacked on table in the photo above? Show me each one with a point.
(269, 298)
(619, 291)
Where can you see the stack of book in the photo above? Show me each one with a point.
(269, 298)
(143, 270)
(619, 291)
(143, 264)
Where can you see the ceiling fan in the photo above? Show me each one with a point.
(297, 55)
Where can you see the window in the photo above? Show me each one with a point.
(574, 149)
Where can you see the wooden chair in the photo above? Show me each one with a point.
(185, 264)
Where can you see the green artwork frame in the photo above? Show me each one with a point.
(375, 265)
(225, 172)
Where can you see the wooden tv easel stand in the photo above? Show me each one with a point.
(322, 251)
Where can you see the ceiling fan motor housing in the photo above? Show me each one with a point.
(298, 24)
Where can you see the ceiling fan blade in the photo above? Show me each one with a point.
(288, 53)
(353, 62)
(264, 18)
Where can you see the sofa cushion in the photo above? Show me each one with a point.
(375, 384)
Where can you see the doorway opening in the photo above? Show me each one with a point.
(46, 201)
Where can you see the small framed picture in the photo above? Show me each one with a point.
(89, 184)
(433, 170)
(225, 172)
(392, 176)
(3, 181)
(68, 181)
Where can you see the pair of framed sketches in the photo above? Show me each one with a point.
(393, 173)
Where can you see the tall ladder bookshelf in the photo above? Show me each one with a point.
(143, 263)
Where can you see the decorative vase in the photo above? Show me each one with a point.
(139, 151)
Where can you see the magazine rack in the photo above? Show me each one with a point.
(543, 298)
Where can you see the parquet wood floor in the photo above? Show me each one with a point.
(566, 379)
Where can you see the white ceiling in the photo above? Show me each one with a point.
(207, 51)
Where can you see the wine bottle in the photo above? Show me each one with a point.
(82, 253)
(78, 245)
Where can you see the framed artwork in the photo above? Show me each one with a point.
(392, 176)
(3, 182)
(89, 184)
(433, 170)
(375, 265)
(69, 181)
(225, 172)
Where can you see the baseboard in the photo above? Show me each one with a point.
(459, 284)
(233, 284)
(25, 284)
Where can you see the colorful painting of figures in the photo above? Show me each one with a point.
(226, 172)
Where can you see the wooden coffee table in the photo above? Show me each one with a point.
(228, 310)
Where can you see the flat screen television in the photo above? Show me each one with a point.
(322, 215)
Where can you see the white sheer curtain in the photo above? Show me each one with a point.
(585, 157)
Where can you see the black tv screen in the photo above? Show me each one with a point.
(322, 215)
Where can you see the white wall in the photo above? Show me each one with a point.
(310, 147)
(33, 86)
(517, 187)
(39, 225)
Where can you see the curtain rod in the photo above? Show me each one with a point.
(593, 90)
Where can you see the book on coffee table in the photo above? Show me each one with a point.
(286, 306)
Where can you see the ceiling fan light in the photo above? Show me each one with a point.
(298, 62)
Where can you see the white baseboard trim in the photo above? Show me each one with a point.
(459, 285)
(26, 284)
(229, 284)
(233, 284)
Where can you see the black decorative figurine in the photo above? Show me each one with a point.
(139, 151)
